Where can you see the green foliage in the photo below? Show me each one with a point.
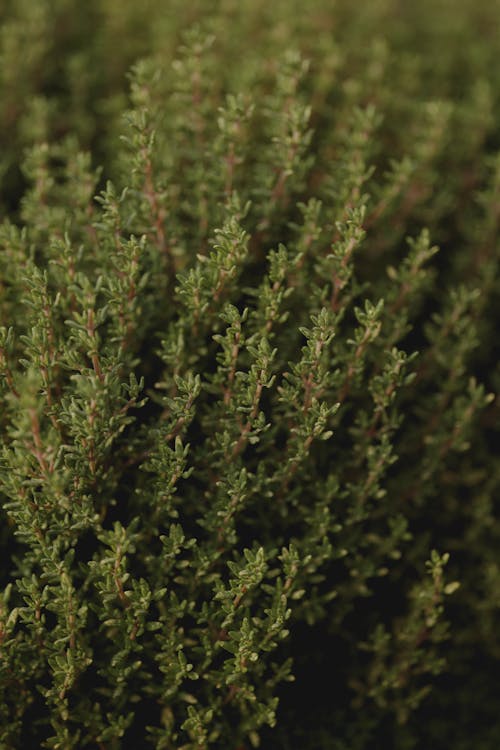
(248, 366)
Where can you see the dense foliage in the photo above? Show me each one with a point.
(248, 372)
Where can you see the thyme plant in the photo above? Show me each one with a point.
(248, 366)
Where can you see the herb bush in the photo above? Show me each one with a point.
(249, 304)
